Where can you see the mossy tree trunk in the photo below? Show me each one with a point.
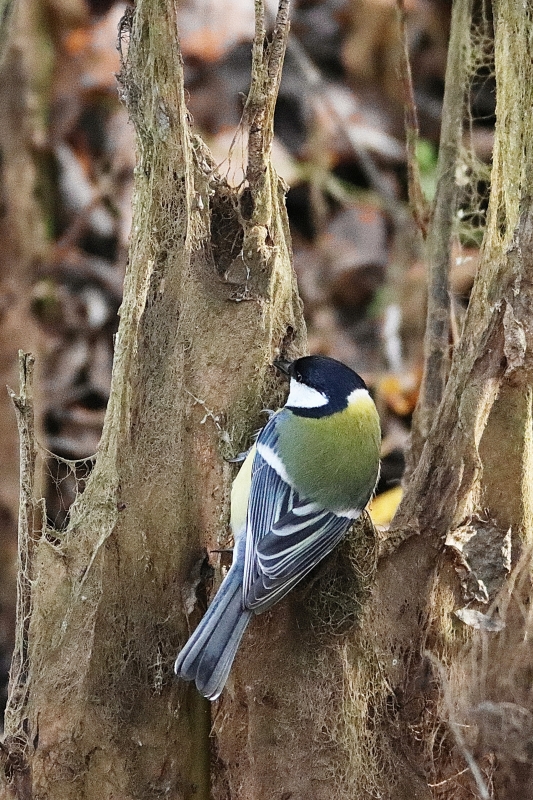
(95, 711)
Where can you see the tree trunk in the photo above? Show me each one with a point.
(94, 710)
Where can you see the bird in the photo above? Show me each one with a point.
(309, 475)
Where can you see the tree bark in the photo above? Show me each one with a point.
(96, 711)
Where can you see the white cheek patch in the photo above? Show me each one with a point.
(302, 396)
(357, 394)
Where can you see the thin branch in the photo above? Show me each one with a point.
(28, 509)
(448, 780)
(436, 343)
(417, 200)
(267, 65)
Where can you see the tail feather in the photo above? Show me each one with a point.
(215, 665)
(208, 655)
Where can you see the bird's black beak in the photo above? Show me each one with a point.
(283, 365)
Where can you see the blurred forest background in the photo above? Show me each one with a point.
(66, 175)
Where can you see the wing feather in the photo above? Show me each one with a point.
(290, 547)
(270, 498)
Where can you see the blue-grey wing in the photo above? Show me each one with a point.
(298, 541)
(286, 537)
(270, 498)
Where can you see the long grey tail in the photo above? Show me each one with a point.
(209, 653)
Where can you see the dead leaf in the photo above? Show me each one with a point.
(478, 620)
(383, 507)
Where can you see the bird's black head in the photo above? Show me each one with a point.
(331, 383)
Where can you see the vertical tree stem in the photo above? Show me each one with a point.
(23, 404)
(436, 344)
(417, 200)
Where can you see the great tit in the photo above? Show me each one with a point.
(310, 474)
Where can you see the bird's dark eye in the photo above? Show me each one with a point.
(298, 376)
